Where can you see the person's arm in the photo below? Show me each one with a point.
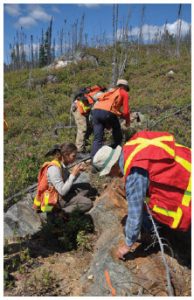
(55, 178)
(136, 188)
(126, 109)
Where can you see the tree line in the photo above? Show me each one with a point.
(43, 51)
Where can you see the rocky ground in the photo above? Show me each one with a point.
(47, 265)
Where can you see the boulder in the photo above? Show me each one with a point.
(170, 74)
(21, 220)
(61, 64)
(52, 79)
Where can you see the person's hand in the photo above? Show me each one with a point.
(82, 166)
(123, 250)
(76, 170)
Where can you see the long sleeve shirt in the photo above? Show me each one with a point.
(54, 175)
(126, 109)
(136, 187)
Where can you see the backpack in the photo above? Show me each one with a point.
(87, 94)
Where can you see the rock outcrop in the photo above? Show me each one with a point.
(107, 276)
(144, 272)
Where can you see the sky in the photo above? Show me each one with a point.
(98, 19)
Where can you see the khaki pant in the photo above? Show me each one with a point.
(77, 197)
(83, 130)
(80, 202)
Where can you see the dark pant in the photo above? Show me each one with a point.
(105, 119)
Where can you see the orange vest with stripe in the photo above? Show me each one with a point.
(169, 168)
(110, 101)
(47, 196)
(83, 107)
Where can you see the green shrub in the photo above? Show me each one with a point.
(32, 114)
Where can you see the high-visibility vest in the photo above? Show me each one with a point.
(110, 101)
(47, 196)
(82, 107)
(169, 168)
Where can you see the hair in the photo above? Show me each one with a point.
(67, 148)
(63, 149)
(127, 88)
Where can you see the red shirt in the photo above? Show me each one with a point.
(126, 109)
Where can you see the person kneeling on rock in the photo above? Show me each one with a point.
(57, 187)
(154, 166)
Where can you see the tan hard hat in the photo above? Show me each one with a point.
(123, 82)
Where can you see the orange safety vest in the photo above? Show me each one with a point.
(84, 107)
(47, 196)
(169, 168)
(110, 101)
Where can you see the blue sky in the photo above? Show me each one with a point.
(98, 18)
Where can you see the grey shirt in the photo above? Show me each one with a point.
(54, 175)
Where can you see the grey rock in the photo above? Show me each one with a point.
(107, 220)
(21, 220)
(138, 122)
(52, 79)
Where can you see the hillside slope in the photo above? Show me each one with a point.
(54, 263)
(34, 112)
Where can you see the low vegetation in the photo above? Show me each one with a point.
(34, 112)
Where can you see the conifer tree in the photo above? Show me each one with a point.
(42, 51)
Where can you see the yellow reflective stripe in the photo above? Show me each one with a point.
(179, 145)
(36, 202)
(131, 156)
(139, 140)
(85, 108)
(187, 195)
(57, 163)
(184, 163)
(46, 198)
(46, 208)
(176, 215)
(143, 143)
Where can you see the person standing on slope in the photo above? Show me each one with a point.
(105, 113)
(81, 108)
